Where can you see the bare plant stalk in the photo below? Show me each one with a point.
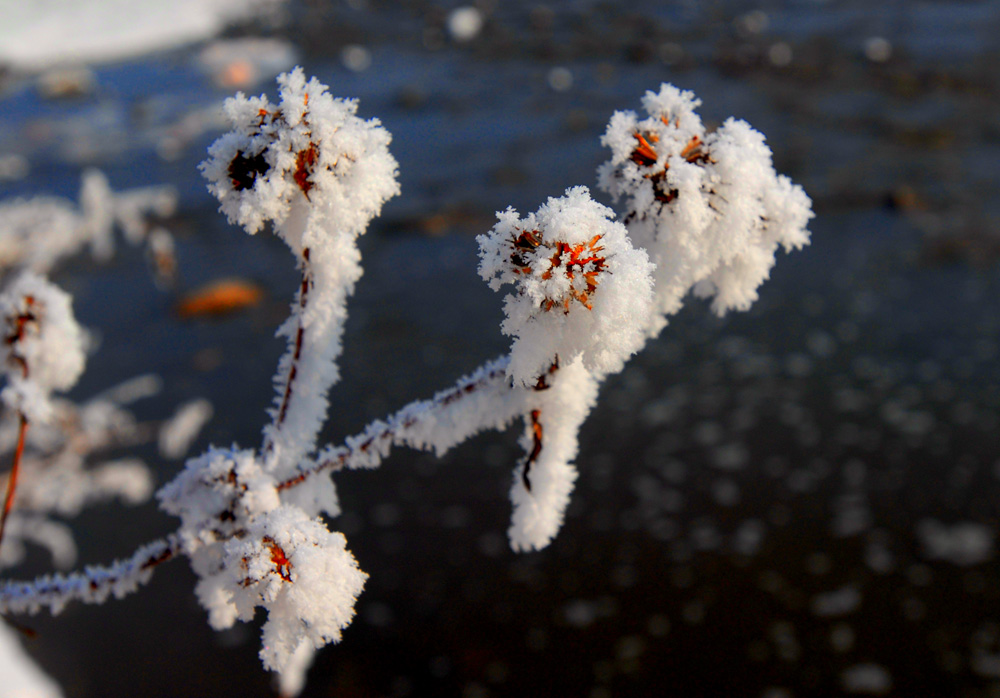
(299, 337)
(94, 585)
(12, 477)
(365, 450)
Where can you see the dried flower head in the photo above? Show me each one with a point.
(708, 207)
(569, 272)
(43, 346)
(293, 566)
(580, 286)
(217, 494)
(251, 550)
(309, 147)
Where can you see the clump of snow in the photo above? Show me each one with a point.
(43, 347)
(250, 550)
(217, 494)
(708, 207)
(581, 289)
(299, 571)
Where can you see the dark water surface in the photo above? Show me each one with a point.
(762, 499)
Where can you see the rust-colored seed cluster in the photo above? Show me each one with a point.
(645, 156)
(580, 259)
(20, 323)
(244, 170)
(282, 565)
(305, 160)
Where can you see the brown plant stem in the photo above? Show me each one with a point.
(390, 431)
(12, 477)
(92, 586)
(536, 447)
(536, 424)
(299, 338)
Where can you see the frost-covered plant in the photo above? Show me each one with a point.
(708, 207)
(704, 213)
(65, 466)
(320, 174)
(38, 233)
(582, 295)
(43, 346)
(581, 288)
(42, 351)
(251, 550)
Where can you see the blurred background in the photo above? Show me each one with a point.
(801, 500)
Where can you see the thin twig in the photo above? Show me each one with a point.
(299, 338)
(391, 430)
(93, 585)
(12, 477)
(536, 447)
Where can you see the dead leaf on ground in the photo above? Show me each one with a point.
(218, 298)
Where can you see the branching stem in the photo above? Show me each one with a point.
(391, 431)
(93, 585)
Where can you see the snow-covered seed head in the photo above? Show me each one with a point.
(43, 346)
(218, 494)
(298, 570)
(580, 286)
(569, 272)
(709, 207)
(308, 147)
(657, 160)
